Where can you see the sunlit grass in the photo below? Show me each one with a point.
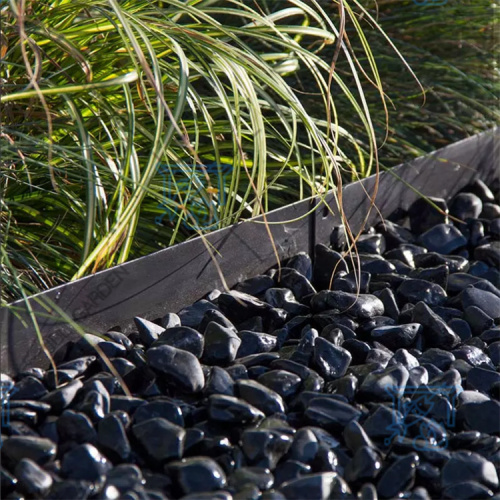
(112, 110)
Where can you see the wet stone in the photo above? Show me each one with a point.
(181, 366)
(289, 470)
(375, 264)
(149, 332)
(241, 306)
(7, 482)
(492, 335)
(346, 386)
(302, 263)
(214, 315)
(160, 439)
(305, 446)
(461, 328)
(388, 299)
(355, 437)
(394, 234)
(182, 337)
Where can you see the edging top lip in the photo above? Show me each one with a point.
(172, 278)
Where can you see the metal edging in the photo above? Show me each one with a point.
(172, 278)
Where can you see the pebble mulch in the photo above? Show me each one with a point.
(289, 386)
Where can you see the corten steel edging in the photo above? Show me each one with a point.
(175, 277)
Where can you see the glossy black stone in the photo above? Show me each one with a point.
(417, 290)
(488, 302)
(181, 366)
(469, 466)
(260, 396)
(489, 253)
(384, 384)
(193, 315)
(84, 462)
(330, 413)
(255, 285)
(362, 306)
(466, 206)
(221, 344)
(32, 480)
(326, 261)
(398, 477)
(265, 447)
(228, 409)
(112, 438)
(160, 439)
(322, 485)
(285, 383)
(427, 213)
(436, 332)
(395, 337)
(182, 337)
(77, 427)
(364, 466)
(197, 475)
(254, 343)
(330, 360)
(149, 332)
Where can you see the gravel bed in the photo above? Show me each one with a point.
(289, 386)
